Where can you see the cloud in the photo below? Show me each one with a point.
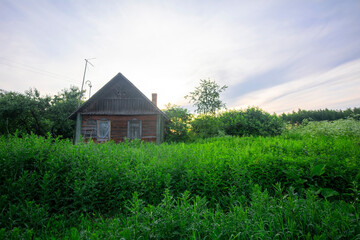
(338, 87)
(166, 47)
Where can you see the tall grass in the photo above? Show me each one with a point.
(340, 128)
(290, 186)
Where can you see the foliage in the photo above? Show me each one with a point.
(206, 97)
(31, 112)
(320, 115)
(290, 186)
(249, 122)
(339, 128)
(62, 105)
(205, 126)
(24, 112)
(178, 128)
(286, 216)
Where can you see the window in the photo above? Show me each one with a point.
(134, 129)
(89, 129)
(103, 130)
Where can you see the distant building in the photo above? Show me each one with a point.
(118, 111)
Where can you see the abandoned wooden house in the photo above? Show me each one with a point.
(119, 111)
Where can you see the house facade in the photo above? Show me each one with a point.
(118, 111)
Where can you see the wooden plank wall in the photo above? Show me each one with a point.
(119, 126)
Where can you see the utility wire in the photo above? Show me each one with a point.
(13, 64)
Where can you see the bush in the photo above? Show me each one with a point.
(31, 113)
(205, 126)
(48, 186)
(338, 128)
(319, 115)
(251, 122)
(177, 130)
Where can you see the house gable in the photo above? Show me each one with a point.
(118, 97)
(118, 111)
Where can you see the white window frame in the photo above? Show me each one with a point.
(100, 138)
(129, 126)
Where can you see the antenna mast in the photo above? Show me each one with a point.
(82, 85)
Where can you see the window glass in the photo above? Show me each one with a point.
(103, 129)
(89, 129)
(134, 129)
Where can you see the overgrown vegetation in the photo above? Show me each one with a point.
(252, 121)
(249, 122)
(242, 174)
(320, 115)
(177, 130)
(297, 185)
(32, 113)
(340, 128)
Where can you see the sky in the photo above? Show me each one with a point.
(273, 54)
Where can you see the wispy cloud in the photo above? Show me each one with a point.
(166, 47)
(338, 87)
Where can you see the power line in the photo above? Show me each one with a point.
(13, 64)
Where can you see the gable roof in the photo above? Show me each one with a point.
(118, 97)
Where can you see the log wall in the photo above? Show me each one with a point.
(118, 126)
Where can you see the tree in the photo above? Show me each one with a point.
(12, 113)
(24, 112)
(178, 127)
(62, 105)
(31, 112)
(206, 97)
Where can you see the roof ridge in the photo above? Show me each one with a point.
(118, 77)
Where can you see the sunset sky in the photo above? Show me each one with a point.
(277, 55)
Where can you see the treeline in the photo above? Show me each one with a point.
(249, 122)
(320, 115)
(252, 121)
(32, 113)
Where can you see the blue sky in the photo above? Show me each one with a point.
(277, 55)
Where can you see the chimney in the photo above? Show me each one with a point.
(154, 98)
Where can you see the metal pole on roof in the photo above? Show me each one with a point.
(82, 85)
(77, 132)
(90, 86)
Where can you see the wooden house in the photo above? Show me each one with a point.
(118, 111)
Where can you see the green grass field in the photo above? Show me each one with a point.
(304, 184)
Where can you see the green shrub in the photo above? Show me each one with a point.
(205, 126)
(286, 216)
(251, 122)
(50, 187)
(177, 129)
(339, 128)
(319, 115)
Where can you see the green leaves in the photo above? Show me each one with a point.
(335, 129)
(251, 122)
(317, 170)
(206, 97)
(328, 192)
(302, 116)
(31, 112)
(214, 188)
(177, 129)
(248, 122)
